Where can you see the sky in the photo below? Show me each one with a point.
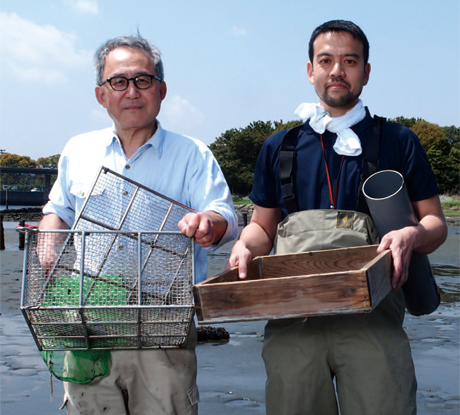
(227, 62)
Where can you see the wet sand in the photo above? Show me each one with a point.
(231, 375)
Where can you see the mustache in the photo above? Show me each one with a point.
(337, 81)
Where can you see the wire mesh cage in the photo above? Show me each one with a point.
(108, 283)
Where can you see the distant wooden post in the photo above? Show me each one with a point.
(2, 234)
(47, 187)
(245, 218)
(22, 236)
(244, 214)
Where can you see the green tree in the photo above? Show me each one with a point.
(236, 150)
(452, 133)
(443, 156)
(26, 181)
(279, 125)
(50, 162)
(22, 181)
(454, 158)
(14, 160)
(405, 122)
(430, 135)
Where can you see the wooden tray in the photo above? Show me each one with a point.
(335, 281)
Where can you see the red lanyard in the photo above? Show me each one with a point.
(332, 197)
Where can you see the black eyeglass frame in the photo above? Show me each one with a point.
(109, 80)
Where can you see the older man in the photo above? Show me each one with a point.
(131, 87)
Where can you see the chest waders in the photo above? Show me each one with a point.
(320, 229)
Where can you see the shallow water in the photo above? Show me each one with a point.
(447, 277)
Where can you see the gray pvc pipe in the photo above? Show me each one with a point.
(388, 201)
(391, 209)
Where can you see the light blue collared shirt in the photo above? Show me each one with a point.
(174, 165)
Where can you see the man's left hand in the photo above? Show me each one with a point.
(424, 238)
(401, 243)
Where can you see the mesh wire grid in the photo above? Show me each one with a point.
(107, 286)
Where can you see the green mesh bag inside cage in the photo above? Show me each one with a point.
(82, 366)
(78, 366)
(65, 291)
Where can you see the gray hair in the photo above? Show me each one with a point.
(135, 42)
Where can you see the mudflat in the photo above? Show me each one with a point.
(231, 374)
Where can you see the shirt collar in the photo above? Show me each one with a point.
(156, 141)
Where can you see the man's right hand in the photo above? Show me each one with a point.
(256, 239)
(239, 257)
(48, 243)
(46, 256)
(48, 246)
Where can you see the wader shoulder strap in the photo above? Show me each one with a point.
(287, 157)
(370, 163)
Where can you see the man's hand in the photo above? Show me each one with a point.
(239, 257)
(49, 242)
(401, 243)
(423, 238)
(206, 227)
(47, 248)
(256, 239)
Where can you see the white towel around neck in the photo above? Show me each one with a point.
(347, 143)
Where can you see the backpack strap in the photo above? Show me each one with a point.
(370, 165)
(287, 157)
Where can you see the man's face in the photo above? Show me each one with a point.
(132, 109)
(338, 71)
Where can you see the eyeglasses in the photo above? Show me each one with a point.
(120, 83)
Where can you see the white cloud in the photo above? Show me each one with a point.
(181, 116)
(34, 52)
(83, 6)
(238, 31)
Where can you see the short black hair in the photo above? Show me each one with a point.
(340, 26)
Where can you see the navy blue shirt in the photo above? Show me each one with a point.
(400, 150)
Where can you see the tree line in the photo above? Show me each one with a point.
(26, 181)
(236, 150)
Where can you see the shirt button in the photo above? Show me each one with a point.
(128, 167)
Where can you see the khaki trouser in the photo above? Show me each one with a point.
(147, 382)
(368, 355)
